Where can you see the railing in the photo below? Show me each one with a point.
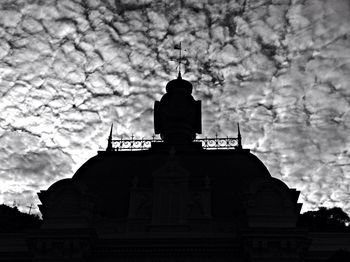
(133, 144)
(219, 142)
(144, 144)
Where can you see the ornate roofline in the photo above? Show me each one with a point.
(210, 143)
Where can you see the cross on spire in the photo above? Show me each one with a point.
(30, 208)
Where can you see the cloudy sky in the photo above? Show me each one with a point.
(68, 69)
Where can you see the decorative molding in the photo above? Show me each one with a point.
(145, 144)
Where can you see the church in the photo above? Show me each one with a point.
(178, 198)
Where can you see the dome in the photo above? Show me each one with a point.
(177, 116)
(109, 176)
(175, 185)
(192, 198)
(179, 84)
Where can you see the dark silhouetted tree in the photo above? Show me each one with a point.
(14, 221)
(325, 219)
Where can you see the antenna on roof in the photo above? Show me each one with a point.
(239, 137)
(109, 145)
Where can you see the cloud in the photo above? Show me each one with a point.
(29, 165)
(71, 68)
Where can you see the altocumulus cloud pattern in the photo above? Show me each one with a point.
(281, 68)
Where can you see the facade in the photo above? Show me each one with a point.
(174, 199)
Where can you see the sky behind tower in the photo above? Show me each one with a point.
(69, 69)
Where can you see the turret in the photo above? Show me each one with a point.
(177, 116)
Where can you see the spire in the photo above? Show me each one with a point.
(239, 138)
(178, 47)
(109, 145)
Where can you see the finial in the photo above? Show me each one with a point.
(178, 47)
(109, 145)
(179, 75)
(239, 138)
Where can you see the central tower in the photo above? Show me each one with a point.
(177, 116)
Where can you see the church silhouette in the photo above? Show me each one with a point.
(178, 198)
